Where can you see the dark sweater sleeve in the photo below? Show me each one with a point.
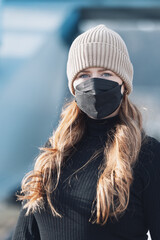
(151, 193)
(26, 227)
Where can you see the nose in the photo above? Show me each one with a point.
(96, 74)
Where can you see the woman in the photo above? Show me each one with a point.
(98, 176)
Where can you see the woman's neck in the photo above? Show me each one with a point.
(99, 127)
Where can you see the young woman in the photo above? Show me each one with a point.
(98, 176)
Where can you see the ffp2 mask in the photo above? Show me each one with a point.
(98, 97)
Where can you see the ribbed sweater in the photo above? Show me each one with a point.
(74, 195)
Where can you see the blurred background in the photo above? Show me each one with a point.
(35, 37)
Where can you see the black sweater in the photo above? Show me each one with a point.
(74, 196)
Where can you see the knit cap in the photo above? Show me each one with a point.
(99, 47)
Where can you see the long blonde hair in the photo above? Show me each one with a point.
(115, 175)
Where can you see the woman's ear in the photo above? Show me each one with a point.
(122, 88)
(73, 90)
(125, 89)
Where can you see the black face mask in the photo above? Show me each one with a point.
(98, 97)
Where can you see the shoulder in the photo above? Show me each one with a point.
(150, 176)
(149, 158)
(150, 147)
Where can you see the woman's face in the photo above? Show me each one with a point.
(97, 72)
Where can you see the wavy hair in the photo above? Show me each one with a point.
(115, 174)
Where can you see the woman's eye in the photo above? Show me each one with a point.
(107, 74)
(83, 76)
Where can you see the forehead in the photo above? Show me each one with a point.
(92, 69)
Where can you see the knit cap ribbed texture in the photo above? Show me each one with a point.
(100, 47)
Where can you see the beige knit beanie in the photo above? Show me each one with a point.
(100, 47)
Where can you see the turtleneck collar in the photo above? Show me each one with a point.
(99, 127)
